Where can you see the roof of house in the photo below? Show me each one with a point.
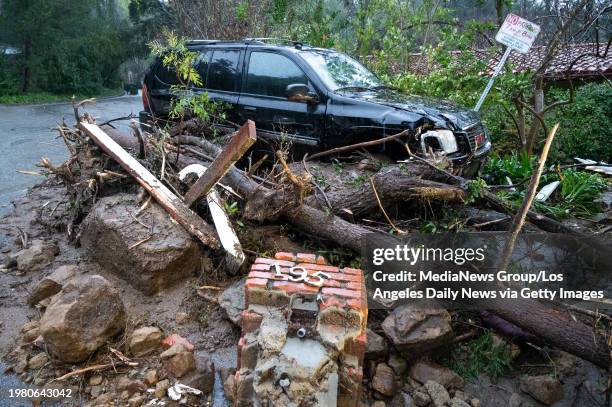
(589, 61)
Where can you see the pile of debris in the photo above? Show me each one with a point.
(157, 209)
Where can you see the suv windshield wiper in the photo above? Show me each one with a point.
(355, 88)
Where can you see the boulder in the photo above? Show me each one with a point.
(402, 399)
(397, 363)
(376, 346)
(232, 301)
(30, 331)
(437, 392)
(130, 385)
(178, 360)
(545, 389)
(384, 380)
(37, 256)
(52, 284)
(150, 377)
(424, 371)
(86, 313)
(110, 232)
(145, 340)
(415, 330)
(421, 398)
(161, 387)
(37, 361)
(456, 402)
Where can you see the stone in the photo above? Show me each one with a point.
(103, 400)
(95, 380)
(415, 330)
(402, 399)
(30, 331)
(397, 363)
(161, 387)
(130, 385)
(376, 346)
(421, 399)
(82, 317)
(109, 232)
(229, 387)
(37, 361)
(199, 380)
(475, 402)
(437, 392)
(178, 360)
(232, 301)
(424, 371)
(384, 380)
(150, 377)
(137, 400)
(175, 338)
(515, 400)
(95, 391)
(378, 404)
(181, 317)
(37, 256)
(545, 389)
(206, 367)
(457, 402)
(52, 284)
(145, 340)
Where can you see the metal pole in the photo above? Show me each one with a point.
(496, 72)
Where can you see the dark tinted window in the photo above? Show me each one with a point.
(202, 63)
(166, 74)
(269, 74)
(223, 71)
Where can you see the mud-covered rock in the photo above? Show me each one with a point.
(178, 360)
(415, 330)
(376, 346)
(424, 371)
(110, 233)
(37, 361)
(86, 313)
(51, 284)
(37, 256)
(544, 389)
(437, 392)
(30, 331)
(232, 301)
(384, 380)
(145, 340)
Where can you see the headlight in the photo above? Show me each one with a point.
(439, 140)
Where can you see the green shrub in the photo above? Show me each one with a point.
(586, 124)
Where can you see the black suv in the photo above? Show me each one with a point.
(320, 99)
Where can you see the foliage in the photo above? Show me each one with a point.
(46, 97)
(479, 356)
(586, 124)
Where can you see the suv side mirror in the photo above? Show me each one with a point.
(301, 93)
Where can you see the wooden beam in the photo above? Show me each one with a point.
(177, 209)
(242, 140)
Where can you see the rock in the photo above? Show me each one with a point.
(178, 360)
(21, 366)
(150, 377)
(206, 368)
(95, 380)
(402, 399)
(37, 361)
(515, 400)
(30, 331)
(130, 385)
(199, 380)
(384, 380)
(103, 400)
(475, 402)
(95, 391)
(136, 401)
(161, 387)
(36, 257)
(229, 387)
(424, 371)
(181, 317)
(378, 404)
(376, 346)
(232, 301)
(145, 340)
(437, 392)
(421, 399)
(397, 363)
(82, 317)
(169, 256)
(175, 338)
(457, 402)
(544, 389)
(415, 330)
(52, 284)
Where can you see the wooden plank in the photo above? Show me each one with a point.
(242, 140)
(177, 209)
(229, 240)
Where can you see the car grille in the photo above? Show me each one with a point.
(475, 135)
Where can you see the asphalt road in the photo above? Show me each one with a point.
(26, 135)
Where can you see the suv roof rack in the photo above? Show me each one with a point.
(207, 42)
(276, 40)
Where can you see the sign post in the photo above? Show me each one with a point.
(515, 33)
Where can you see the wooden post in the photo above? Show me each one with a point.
(188, 219)
(242, 140)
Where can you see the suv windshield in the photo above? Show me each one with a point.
(340, 71)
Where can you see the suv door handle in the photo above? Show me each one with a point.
(250, 108)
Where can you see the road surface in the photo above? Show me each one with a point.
(26, 135)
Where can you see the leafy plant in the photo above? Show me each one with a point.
(480, 356)
(476, 190)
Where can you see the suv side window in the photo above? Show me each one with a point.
(223, 71)
(270, 73)
(201, 63)
(165, 74)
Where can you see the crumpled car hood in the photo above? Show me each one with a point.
(437, 110)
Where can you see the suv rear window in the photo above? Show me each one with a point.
(223, 70)
(269, 74)
(166, 74)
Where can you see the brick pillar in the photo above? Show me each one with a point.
(321, 304)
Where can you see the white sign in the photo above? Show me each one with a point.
(517, 33)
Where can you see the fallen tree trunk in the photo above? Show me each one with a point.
(542, 321)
